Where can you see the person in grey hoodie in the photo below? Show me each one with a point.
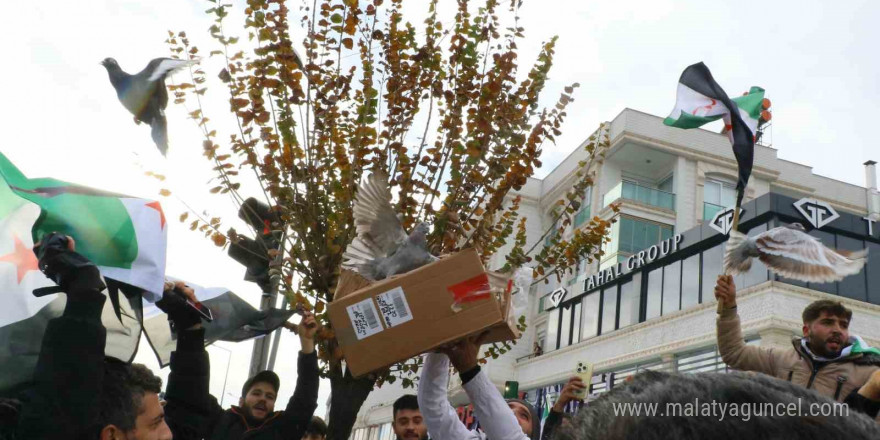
(500, 419)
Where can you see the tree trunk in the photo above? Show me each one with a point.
(347, 395)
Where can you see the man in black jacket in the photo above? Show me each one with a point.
(194, 413)
(78, 394)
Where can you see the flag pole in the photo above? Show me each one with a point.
(733, 227)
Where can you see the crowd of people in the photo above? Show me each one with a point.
(78, 393)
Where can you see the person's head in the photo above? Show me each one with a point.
(683, 409)
(317, 429)
(826, 327)
(407, 419)
(526, 416)
(129, 407)
(258, 395)
(565, 419)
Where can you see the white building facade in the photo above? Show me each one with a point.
(648, 303)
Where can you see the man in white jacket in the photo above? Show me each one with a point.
(513, 419)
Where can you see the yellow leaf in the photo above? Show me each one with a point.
(164, 192)
(183, 217)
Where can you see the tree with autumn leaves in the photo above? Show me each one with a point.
(444, 109)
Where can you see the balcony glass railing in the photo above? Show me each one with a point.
(642, 194)
(710, 209)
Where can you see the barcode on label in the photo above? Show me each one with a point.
(393, 307)
(364, 319)
(371, 318)
(400, 304)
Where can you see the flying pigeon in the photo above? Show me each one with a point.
(144, 93)
(790, 252)
(382, 248)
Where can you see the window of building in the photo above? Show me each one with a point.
(854, 286)
(828, 239)
(713, 265)
(636, 235)
(872, 270)
(671, 287)
(655, 294)
(666, 185)
(609, 309)
(630, 301)
(590, 315)
(690, 282)
(576, 323)
(552, 331)
(565, 328)
(583, 215)
(543, 303)
(757, 274)
(719, 193)
(550, 236)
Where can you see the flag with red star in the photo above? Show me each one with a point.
(124, 236)
(23, 317)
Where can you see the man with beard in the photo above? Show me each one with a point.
(197, 413)
(826, 359)
(407, 419)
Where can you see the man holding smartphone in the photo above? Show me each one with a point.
(570, 392)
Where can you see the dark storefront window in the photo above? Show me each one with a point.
(757, 274)
(686, 282)
(872, 270)
(713, 265)
(565, 329)
(655, 293)
(630, 296)
(609, 309)
(590, 313)
(854, 286)
(827, 239)
(671, 287)
(553, 330)
(690, 282)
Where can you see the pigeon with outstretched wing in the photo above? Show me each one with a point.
(144, 94)
(790, 252)
(382, 247)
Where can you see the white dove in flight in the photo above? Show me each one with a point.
(790, 252)
(382, 247)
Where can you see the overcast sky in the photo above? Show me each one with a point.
(817, 60)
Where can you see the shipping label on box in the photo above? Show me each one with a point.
(393, 307)
(364, 319)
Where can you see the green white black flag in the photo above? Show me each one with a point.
(701, 100)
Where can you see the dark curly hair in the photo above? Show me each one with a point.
(123, 393)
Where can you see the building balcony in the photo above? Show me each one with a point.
(710, 209)
(642, 194)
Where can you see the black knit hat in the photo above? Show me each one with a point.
(266, 376)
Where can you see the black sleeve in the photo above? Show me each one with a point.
(190, 410)
(550, 424)
(862, 404)
(70, 370)
(304, 401)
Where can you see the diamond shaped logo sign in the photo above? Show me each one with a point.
(557, 296)
(816, 212)
(723, 220)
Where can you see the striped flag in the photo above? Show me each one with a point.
(701, 100)
(124, 236)
(234, 320)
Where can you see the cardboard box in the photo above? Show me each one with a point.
(380, 324)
